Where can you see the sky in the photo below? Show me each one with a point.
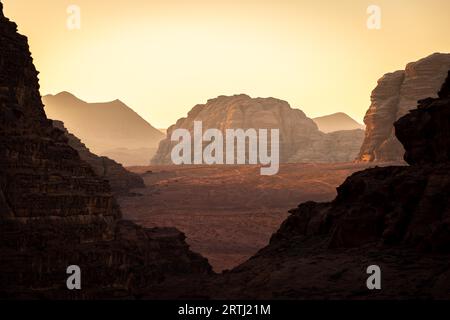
(163, 57)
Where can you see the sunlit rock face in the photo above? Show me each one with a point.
(300, 138)
(395, 95)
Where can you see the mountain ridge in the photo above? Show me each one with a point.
(107, 128)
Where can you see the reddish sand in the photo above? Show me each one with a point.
(228, 213)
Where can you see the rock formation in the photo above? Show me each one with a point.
(109, 129)
(395, 95)
(397, 218)
(337, 122)
(334, 147)
(300, 139)
(120, 180)
(56, 212)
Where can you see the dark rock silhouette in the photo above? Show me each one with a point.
(395, 217)
(396, 94)
(425, 132)
(56, 212)
(120, 180)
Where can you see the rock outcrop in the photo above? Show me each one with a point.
(425, 131)
(300, 138)
(56, 212)
(396, 94)
(333, 147)
(120, 180)
(110, 129)
(397, 218)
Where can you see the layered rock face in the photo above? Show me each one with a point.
(56, 212)
(397, 218)
(120, 180)
(396, 94)
(300, 138)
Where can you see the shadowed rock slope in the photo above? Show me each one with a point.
(56, 212)
(395, 217)
(120, 180)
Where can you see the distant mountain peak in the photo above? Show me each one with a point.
(106, 127)
(338, 121)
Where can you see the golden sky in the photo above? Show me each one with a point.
(163, 57)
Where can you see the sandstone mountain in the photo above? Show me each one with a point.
(120, 180)
(395, 95)
(337, 122)
(56, 212)
(300, 138)
(109, 129)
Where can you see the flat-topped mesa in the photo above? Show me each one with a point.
(425, 132)
(55, 211)
(299, 137)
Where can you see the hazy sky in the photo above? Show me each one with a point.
(164, 57)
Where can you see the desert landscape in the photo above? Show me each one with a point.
(92, 205)
(228, 213)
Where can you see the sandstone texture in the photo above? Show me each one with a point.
(56, 212)
(300, 138)
(120, 180)
(396, 94)
(110, 129)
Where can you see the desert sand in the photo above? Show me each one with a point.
(228, 213)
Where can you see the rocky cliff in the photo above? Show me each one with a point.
(120, 180)
(397, 218)
(300, 138)
(56, 212)
(395, 95)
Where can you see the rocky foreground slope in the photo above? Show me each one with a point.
(395, 217)
(120, 180)
(56, 212)
(300, 138)
(395, 95)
